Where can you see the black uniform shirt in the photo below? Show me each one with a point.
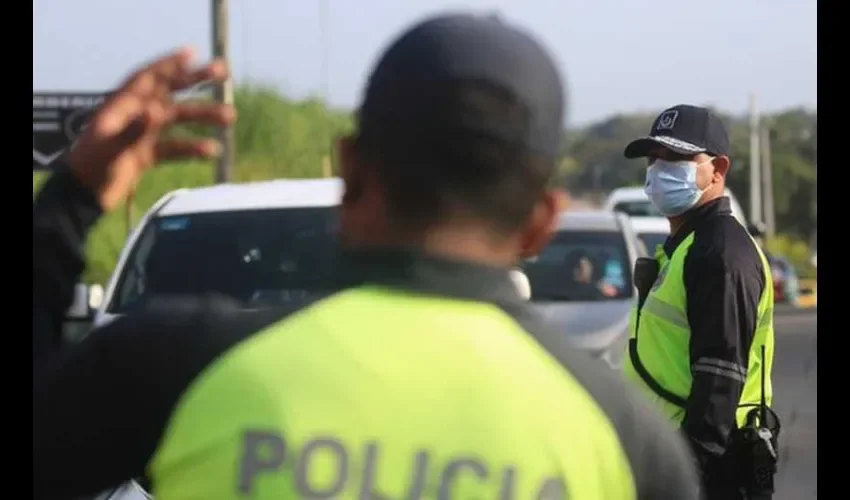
(724, 280)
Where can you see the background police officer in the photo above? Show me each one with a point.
(428, 377)
(697, 345)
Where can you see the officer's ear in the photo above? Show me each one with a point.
(543, 222)
(353, 176)
(721, 167)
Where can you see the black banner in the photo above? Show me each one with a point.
(57, 120)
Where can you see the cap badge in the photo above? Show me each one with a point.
(667, 120)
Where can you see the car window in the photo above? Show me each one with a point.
(637, 208)
(777, 263)
(258, 257)
(581, 266)
(652, 240)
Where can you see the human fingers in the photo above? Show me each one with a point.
(214, 71)
(206, 114)
(112, 120)
(176, 149)
(115, 114)
(157, 76)
(130, 100)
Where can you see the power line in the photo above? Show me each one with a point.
(324, 83)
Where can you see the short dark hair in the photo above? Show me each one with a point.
(432, 173)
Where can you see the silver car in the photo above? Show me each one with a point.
(582, 281)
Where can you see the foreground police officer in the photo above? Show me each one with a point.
(427, 377)
(697, 345)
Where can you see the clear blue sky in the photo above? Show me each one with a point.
(617, 55)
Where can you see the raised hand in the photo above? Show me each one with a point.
(124, 137)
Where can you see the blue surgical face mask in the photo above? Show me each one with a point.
(672, 186)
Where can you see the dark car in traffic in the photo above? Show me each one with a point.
(786, 282)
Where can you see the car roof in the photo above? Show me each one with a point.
(650, 225)
(589, 220)
(288, 193)
(625, 194)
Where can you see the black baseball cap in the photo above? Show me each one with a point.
(686, 130)
(406, 92)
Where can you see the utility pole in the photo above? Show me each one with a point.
(597, 177)
(223, 92)
(769, 213)
(755, 165)
(815, 186)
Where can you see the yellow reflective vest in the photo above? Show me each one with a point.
(659, 358)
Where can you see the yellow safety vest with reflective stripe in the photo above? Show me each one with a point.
(663, 340)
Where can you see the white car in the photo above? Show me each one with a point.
(262, 244)
(634, 202)
(651, 231)
(259, 243)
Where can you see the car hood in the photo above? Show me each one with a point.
(591, 325)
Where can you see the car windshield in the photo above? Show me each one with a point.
(581, 266)
(258, 257)
(638, 208)
(652, 240)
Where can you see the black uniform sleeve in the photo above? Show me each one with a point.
(99, 408)
(62, 214)
(722, 297)
(99, 412)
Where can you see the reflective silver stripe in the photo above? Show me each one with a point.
(720, 367)
(666, 312)
(722, 363)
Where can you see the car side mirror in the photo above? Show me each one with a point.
(522, 283)
(87, 300)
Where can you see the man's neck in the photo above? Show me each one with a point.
(459, 243)
(676, 223)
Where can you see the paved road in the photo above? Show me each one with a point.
(795, 379)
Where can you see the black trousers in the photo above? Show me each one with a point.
(718, 492)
